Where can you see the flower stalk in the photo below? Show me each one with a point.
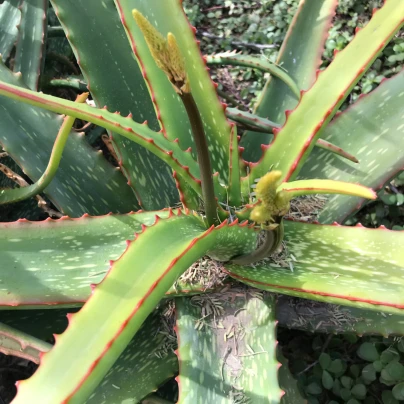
(169, 58)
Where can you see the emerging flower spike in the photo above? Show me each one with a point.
(165, 52)
(273, 204)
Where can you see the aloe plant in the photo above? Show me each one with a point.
(187, 186)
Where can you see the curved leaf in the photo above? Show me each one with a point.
(230, 355)
(306, 315)
(19, 194)
(55, 261)
(17, 343)
(353, 266)
(28, 133)
(148, 361)
(102, 51)
(10, 17)
(307, 187)
(153, 141)
(317, 106)
(372, 129)
(30, 45)
(300, 56)
(232, 58)
(117, 308)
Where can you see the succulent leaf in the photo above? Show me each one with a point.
(300, 56)
(19, 194)
(54, 262)
(117, 308)
(372, 127)
(259, 124)
(188, 197)
(17, 343)
(335, 319)
(146, 363)
(353, 266)
(287, 382)
(262, 125)
(30, 43)
(317, 106)
(41, 324)
(232, 58)
(148, 359)
(230, 353)
(119, 304)
(307, 187)
(21, 126)
(167, 151)
(102, 50)
(10, 17)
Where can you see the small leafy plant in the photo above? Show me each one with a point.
(346, 369)
(193, 188)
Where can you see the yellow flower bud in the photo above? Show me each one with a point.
(165, 52)
(267, 185)
(272, 204)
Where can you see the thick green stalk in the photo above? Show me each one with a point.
(273, 239)
(19, 194)
(205, 166)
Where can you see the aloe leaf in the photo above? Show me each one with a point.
(296, 138)
(261, 63)
(19, 194)
(59, 259)
(168, 16)
(40, 324)
(323, 144)
(10, 17)
(99, 42)
(352, 266)
(17, 343)
(229, 355)
(119, 305)
(188, 197)
(76, 83)
(146, 363)
(117, 308)
(312, 316)
(371, 129)
(30, 44)
(287, 382)
(307, 187)
(28, 134)
(153, 141)
(258, 124)
(253, 121)
(300, 57)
